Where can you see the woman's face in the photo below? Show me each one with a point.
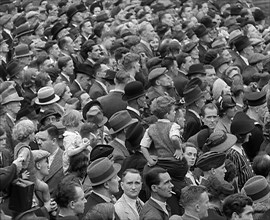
(190, 155)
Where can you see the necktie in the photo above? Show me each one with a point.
(138, 206)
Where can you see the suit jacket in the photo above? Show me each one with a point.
(125, 211)
(56, 171)
(112, 103)
(202, 52)
(192, 125)
(120, 151)
(152, 211)
(188, 217)
(74, 87)
(238, 61)
(142, 48)
(92, 200)
(97, 91)
(134, 115)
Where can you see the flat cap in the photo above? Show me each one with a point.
(256, 98)
(155, 73)
(210, 160)
(39, 155)
(256, 58)
(5, 19)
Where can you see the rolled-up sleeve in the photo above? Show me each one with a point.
(175, 130)
(146, 140)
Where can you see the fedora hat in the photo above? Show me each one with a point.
(14, 68)
(22, 50)
(88, 106)
(219, 61)
(241, 124)
(22, 30)
(133, 90)
(207, 21)
(120, 120)
(85, 69)
(192, 94)
(241, 43)
(56, 29)
(101, 150)
(134, 136)
(10, 95)
(72, 10)
(102, 170)
(257, 188)
(196, 69)
(46, 96)
(226, 102)
(200, 30)
(234, 35)
(219, 141)
(95, 115)
(187, 48)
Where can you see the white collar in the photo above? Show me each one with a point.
(161, 204)
(120, 141)
(245, 59)
(238, 149)
(102, 85)
(195, 113)
(134, 110)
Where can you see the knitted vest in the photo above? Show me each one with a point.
(159, 133)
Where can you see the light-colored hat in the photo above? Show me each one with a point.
(31, 14)
(39, 155)
(22, 50)
(46, 96)
(102, 170)
(10, 95)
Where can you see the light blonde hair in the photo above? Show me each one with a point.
(71, 119)
(23, 129)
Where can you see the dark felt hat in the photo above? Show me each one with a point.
(157, 72)
(90, 105)
(81, 8)
(153, 62)
(133, 90)
(192, 94)
(187, 48)
(48, 113)
(13, 68)
(210, 160)
(84, 69)
(219, 61)
(235, 10)
(179, 85)
(200, 30)
(241, 43)
(110, 75)
(196, 81)
(101, 150)
(134, 136)
(22, 30)
(241, 124)
(258, 15)
(56, 29)
(190, 33)
(18, 21)
(22, 50)
(207, 21)
(147, 2)
(256, 98)
(72, 10)
(102, 170)
(197, 68)
(227, 101)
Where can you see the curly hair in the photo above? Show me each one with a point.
(23, 129)
(72, 119)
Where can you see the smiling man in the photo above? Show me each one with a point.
(129, 205)
(158, 181)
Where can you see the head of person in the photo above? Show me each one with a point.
(11, 101)
(52, 49)
(131, 183)
(186, 12)
(66, 44)
(42, 80)
(101, 211)
(146, 31)
(131, 62)
(23, 131)
(211, 75)
(164, 107)
(3, 138)
(78, 164)
(261, 165)
(158, 181)
(190, 153)
(102, 173)
(194, 97)
(69, 195)
(166, 18)
(65, 64)
(41, 162)
(47, 138)
(72, 119)
(210, 115)
(86, 27)
(159, 77)
(227, 106)
(238, 206)
(63, 91)
(195, 200)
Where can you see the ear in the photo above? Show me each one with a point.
(106, 185)
(71, 204)
(38, 166)
(213, 171)
(157, 82)
(121, 184)
(197, 207)
(154, 188)
(235, 216)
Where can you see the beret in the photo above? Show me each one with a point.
(210, 160)
(101, 150)
(155, 73)
(256, 98)
(38, 155)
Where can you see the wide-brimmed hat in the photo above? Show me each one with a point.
(200, 30)
(13, 68)
(192, 94)
(219, 61)
(257, 188)
(22, 30)
(48, 113)
(46, 96)
(196, 69)
(101, 150)
(10, 95)
(95, 115)
(56, 29)
(241, 43)
(133, 90)
(88, 106)
(22, 50)
(241, 124)
(234, 35)
(134, 136)
(219, 141)
(120, 120)
(210, 160)
(102, 170)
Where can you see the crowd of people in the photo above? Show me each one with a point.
(134, 109)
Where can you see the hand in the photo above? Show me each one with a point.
(86, 142)
(25, 175)
(18, 162)
(53, 205)
(178, 154)
(152, 162)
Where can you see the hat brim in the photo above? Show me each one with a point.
(89, 105)
(133, 120)
(24, 33)
(127, 98)
(55, 34)
(55, 99)
(12, 100)
(117, 168)
(45, 116)
(230, 141)
(104, 121)
(195, 99)
(24, 55)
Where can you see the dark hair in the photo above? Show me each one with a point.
(119, 52)
(88, 128)
(78, 163)
(235, 203)
(62, 42)
(261, 165)
(41, 80)
(191, 194)
(2, 131)
(62, 61)
(86, 47)
(181, 58)
(152, 176)
(49, 44)
(130, 170)
(209, 106)
(65, 193)
(231, 171)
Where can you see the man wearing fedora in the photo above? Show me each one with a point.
(119, 122)
(23, 54)
(195, 100)
(102, 173)
(84, 76)
(113, 102)
(11, 103)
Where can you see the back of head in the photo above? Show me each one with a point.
(261, 165)
(152, 176)
(191, 194)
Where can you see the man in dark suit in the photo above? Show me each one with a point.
(48, 141)
(83, 80)
(102, 173)
(159, 183)
(113, 102)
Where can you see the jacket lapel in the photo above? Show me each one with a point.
(56, 164)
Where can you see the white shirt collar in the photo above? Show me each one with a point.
(120, 141)
(161, 204)
(134, 110)
(245, 59)
(238, 149)
(102, 85)
(195, 113)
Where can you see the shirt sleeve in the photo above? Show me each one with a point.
(146, 140)
(175, 130)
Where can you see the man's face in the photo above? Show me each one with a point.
(25, 60)
(188, 63)
(78, 17)
(201, 102)
(220, 172)
(226, 54)
(68, 69)
(3, 139)
(43, 166)
(168, 19)
(55, 51)
(211, 76)
(149, 33)
(190, 155)
(14, 107)
(165, 81)
(96, 52)
(246, 214)
(64, 32)
(78, 204)
(44, 140)
(204, 205)
(88, 28)
(187, 13)
(195, 53)
(165, 186)
(113, 184)
(85, 82)
(210, 118)
(217, 20)
(132, 185)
